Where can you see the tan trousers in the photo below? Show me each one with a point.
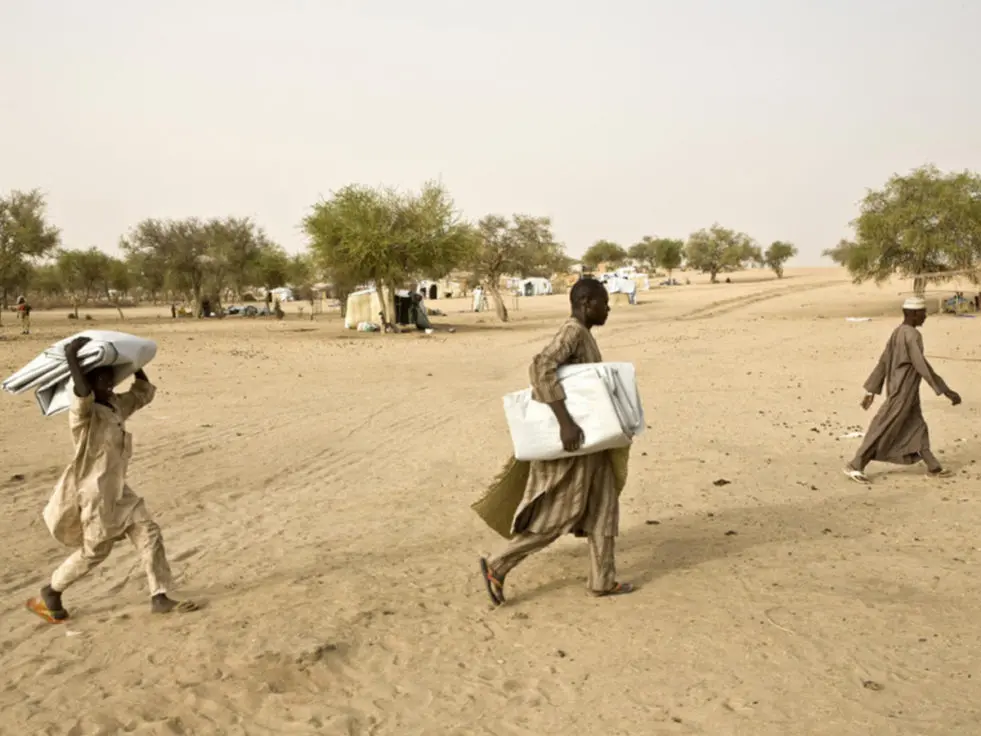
(602, 564)
(144, 534)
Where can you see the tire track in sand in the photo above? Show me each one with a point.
(726, 306)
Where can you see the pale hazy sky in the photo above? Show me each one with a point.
(617, 120)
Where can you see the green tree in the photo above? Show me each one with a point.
(644, 254)
(604, 251)
(234, 247)
(272, 268)
(777, 255)
(25, 238)
(753, 256)
(46, 280)
(719, 250)
(925, 222)
(84, 272)
(149, 271)
(386, 237)
(301, 275)
(521, 246)
(180, 247)
(119, 278)
(670, 254)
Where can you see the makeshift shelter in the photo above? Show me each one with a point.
(442, 289)
(365, 305)
(620, 287)
(535, 287)
(283, 293)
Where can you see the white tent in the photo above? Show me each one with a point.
(617, 285)
(364, 306)
(283, 293)
(535, 287)
(439, 289)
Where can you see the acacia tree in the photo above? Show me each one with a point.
(777, 255)
(604, 251)
(925, 222)
(148, 270)
(25, 238)
(46, 280)
(386, 237)
(234, 246)
(180, 246)
(301, 271)
(523, 245)
(670, 254)
(645, 253)
(718, 250)
(271, 268)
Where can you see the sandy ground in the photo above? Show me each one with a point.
(314, 490)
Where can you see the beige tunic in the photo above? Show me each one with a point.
(91, 503)
(898, 433)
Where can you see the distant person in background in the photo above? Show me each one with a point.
(418, 315)
(24, 314)
(898, 434)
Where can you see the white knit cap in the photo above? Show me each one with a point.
(914, 303)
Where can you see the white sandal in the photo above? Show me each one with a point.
(857, 475)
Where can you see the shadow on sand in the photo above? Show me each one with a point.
(648, 552)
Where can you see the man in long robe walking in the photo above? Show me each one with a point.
(577, 494)
(898, 434)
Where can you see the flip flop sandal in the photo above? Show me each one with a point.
(617, 589)
(857, 475)
(495, 587)
(945, 473)
(38, 608)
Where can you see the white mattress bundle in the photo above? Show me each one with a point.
(48, 373)
(603, 400)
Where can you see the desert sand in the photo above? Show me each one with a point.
(314, 490)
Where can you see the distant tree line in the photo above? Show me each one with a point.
(714, 250)
(926, 221)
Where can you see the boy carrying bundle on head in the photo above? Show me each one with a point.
(92, 507)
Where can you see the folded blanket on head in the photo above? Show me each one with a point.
(603, 400)
(50, 378)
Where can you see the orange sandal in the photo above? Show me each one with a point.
(38, 608)
(495, 587)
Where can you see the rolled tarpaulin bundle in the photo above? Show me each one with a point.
(603, 400)
(50, 378)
